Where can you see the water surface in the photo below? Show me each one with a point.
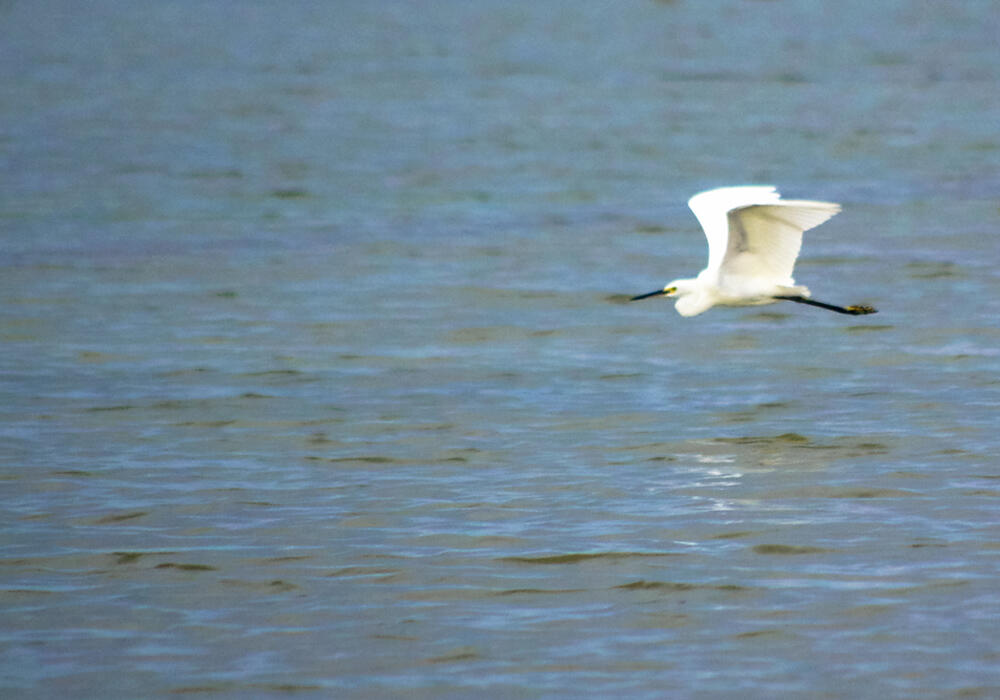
(318, 379)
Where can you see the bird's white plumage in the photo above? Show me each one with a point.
(712, 208)
(753, 233)
(754, 237)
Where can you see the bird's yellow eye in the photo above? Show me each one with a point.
(670, 290)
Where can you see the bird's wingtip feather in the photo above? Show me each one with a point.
(727, 198)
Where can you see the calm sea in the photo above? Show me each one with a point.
(317, 378)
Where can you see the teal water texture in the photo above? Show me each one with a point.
(318, 377)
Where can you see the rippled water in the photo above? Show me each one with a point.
(318, 379)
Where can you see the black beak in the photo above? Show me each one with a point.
(657, 293)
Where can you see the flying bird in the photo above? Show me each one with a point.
(754, 237)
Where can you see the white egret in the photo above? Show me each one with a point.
(754, 237)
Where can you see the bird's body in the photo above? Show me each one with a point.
(754, 238)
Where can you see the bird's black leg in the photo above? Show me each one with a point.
(858, 310)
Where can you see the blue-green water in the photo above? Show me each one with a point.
(316, 377)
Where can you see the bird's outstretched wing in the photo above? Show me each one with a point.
(711, 208)
(764, 240)
(751, 231)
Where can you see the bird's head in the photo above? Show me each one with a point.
(690, 294)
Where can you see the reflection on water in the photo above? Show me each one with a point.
(318, 375)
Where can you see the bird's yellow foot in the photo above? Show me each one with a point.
(861, 309)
